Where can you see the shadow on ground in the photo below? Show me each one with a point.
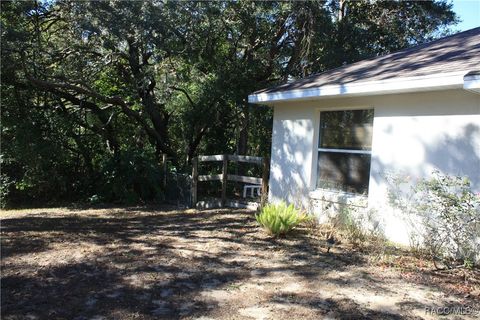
(150, 264)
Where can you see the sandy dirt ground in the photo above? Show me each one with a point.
(162, 263)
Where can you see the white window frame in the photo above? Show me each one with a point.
(317, 189)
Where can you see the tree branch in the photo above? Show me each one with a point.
(185, 93)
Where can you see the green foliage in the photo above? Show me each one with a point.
(90, 87)
(280, 219)
(5, 185)
(358, 226)
(446, 213)
(130, 178)
(353, 229)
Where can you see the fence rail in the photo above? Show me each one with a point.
(246, 179)
(221, 157)
(212, 177)
(224, 177)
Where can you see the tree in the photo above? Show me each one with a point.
(92, 89)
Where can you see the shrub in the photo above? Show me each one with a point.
(280, 219)
(5, 185)
(449, 216)
(358, 226)
(131, 178)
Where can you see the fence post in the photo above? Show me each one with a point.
(265, 178)
(224, 179)
(164, 165)
(194, 181)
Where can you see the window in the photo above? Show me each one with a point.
(344, 150)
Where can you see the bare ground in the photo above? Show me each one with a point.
(151, 263)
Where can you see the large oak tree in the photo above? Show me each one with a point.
(86, 83)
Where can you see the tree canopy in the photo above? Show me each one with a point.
(94, 92)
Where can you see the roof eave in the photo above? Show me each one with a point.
(441, 81)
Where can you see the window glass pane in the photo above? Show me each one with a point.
(348, 129)
(343, 171)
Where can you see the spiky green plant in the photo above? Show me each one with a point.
(279, 219)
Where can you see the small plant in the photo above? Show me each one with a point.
(95, 199)
(5, 186)
(359, 227)
(280, 219)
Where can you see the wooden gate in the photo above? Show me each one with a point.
(224, 177)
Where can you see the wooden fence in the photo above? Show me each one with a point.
(224, 177)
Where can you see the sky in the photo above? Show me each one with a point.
(469, 12)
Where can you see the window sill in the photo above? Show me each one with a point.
(340, 197)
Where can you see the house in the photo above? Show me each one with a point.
(338, 134)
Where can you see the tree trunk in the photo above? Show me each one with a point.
(244, 123)
(341, 9)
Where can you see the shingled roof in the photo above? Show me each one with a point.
(456, 53)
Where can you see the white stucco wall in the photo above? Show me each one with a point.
(292, 154)
(412, 134)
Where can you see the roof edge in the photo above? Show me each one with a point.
(406, 50)
(440, 81)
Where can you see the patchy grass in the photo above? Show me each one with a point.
(150, 263)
